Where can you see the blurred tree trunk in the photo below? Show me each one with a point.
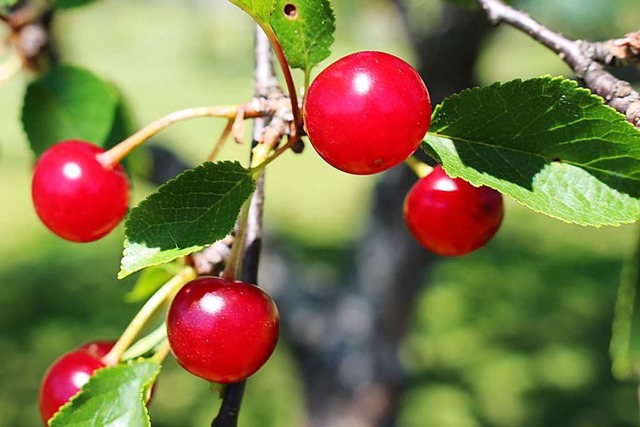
(346, 335)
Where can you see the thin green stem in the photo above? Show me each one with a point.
(146, 312)
(286, 72)
(147, 343)
(234, 262)
(220, 142)
(114, 155)
(307, 79)
(260, 166)
(421, 169)
(161, 353)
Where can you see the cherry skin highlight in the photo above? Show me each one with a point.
(64, 379)
(75, 195)
(220, 330)
(451, 217)
(367, 112)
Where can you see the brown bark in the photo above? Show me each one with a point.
(585, 58)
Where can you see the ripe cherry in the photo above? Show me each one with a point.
(220, 330)
(98, 348)
(367, 112)
(450, 216)
(75, 195)
(65, 378)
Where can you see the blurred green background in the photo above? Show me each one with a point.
(513, 335)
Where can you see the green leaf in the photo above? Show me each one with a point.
(305, 30)
(259, 10)
(625, 337)
(150, 280)
(113, 397)
(195, 209)
(68, 103)
(550, 145)
(69, 4)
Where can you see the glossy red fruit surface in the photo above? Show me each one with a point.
(367, 112)
(77, 197)
(220, 330)
(98, 348)
(64, 379)
(450, 216)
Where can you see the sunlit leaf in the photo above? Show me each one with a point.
(550, 145)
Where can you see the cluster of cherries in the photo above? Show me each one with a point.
(370, 111)
(220, 330)
(363, 114)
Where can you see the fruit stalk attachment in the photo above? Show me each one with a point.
(146, 312)
(120, 151)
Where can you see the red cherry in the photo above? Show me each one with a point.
(450, 216)
(64, 379)
(367, 112)
(75, 195)
(98, 348)
(220, 330)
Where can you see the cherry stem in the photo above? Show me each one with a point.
(115, 155)
(162, 352)
(291, 87)
(220, 143)
(307, 79)
(146, 344)
(263, 162)
(259, 160)
(234, 262)
(421, 169)
(146, 312)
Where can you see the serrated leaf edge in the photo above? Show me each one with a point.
(126, 272)
(99, 372)
(477, 182)
(571, 84)
(182, 252)
(263, 22)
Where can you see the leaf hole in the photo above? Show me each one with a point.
(290, 10)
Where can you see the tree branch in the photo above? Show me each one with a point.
(617, 52)
(582, 56)
(30, 35)
(264, 84)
